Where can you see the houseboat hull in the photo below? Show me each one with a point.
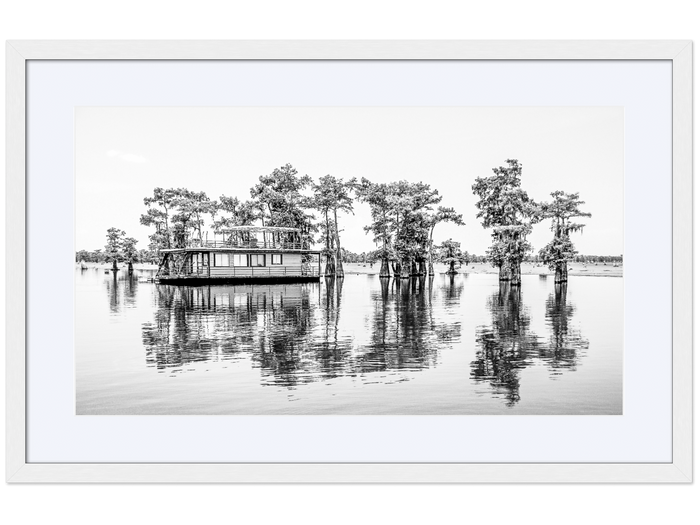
(204, 280)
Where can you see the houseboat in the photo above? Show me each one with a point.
(243, 254)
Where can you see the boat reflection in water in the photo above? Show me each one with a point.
(509, 345)
(300, 333)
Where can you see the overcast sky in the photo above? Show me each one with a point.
(123, 153)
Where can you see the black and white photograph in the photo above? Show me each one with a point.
(349, 260)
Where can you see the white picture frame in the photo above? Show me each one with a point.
(18, 470)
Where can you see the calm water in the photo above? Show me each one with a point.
(465, 345)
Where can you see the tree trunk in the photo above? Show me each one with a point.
(504, 272)
(431, 269)
(452, 270)
(167, 230)
(330, 262)
(339, 272)
(421, 268)
(515, 274)
(339, 262)
(397, 269)
(384, 272)
(561, 273)
(330, 266)
(405, 272)
(414, 268)
(114, 265)
(131, 268)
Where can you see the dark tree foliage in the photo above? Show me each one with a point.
(331, 195)
(506, 208)
(280, 201)
(403, 221)
(560, 250)
(450, 253)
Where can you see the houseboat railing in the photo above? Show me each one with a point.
(245, 271)
(252, 244)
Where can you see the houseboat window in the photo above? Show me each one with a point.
(221, 259)
(240, 259)
(276, 258)
(257, 259)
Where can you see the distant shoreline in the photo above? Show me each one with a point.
(575, 269)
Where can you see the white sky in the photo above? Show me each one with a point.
(122, 153)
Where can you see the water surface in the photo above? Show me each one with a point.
(361, 345)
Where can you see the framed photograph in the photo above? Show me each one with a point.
(349, 261)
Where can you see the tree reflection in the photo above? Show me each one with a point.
(113, 292)
(284, 324)
(333, 348)
(130, 288)
(504, 347)
(454, 289)
(295, 333)
(121, 290)
(404, 332)
(566, 345)
(509, 345)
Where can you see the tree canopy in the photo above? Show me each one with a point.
(404, 216)
(332, 195)
(560, 250)
(234, 212)
(506, 208)
(113, 248)
(403, 219)
(450, 253)
(280, 201)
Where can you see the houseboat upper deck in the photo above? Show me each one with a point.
(243, 254)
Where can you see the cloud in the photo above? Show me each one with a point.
(126, 157)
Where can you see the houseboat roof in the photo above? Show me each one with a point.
(259, 228)
(219, 247)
